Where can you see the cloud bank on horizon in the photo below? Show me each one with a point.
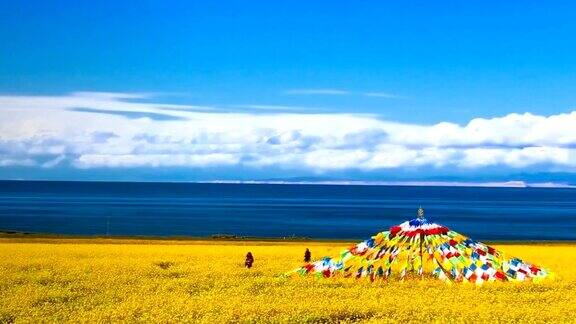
(86, 130)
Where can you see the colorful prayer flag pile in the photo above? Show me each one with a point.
(421, 248)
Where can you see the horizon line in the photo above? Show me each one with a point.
(470, 184)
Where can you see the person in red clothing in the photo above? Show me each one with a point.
(249, 260)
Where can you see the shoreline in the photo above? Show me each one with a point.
(509, 184)
(22, 237)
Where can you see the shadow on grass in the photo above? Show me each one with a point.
(341, 317)
(164, 264)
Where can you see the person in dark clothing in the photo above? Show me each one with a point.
(307, 256)
(249, 260)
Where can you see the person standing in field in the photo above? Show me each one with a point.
(249, 260)
(307, 255)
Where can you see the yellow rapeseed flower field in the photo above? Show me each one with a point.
(100, 280)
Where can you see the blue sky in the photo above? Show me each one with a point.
(416, 64)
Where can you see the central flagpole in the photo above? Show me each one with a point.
(421, 217)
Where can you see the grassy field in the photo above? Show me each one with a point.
(100, 280)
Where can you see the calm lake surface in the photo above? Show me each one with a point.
(315, 211)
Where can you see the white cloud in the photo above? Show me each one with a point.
(340, 92)
(333, 92)
(279, 108)
(155, 160)
(381, 95)
(6, 162)
(117, 131)
(53, 162)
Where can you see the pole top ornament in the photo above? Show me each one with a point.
(420, 212)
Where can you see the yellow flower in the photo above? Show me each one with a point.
(101, 280)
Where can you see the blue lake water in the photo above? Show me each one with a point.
(315, 211)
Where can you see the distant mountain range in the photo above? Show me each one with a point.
(533, 180)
